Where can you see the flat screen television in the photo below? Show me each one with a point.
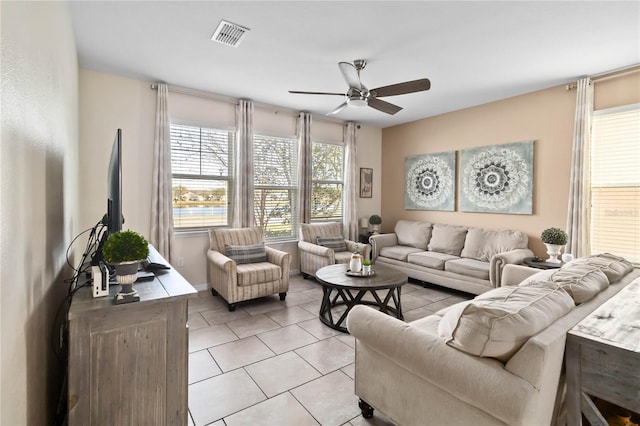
(114, 186)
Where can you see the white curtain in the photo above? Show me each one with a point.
(350, 213)
(161, 196)
(304, 167)
(242, 204)
(579, 190)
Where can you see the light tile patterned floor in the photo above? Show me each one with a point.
(274, 363)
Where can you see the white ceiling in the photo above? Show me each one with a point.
(473, 52)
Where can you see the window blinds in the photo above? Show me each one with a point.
(615, 182)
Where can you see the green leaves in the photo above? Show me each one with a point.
(125, 246)
(554, 236)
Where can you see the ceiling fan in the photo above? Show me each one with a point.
(359, 95)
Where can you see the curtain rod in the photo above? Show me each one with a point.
(234, 101)
(609, 75)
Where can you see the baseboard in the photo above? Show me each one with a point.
(201, 287)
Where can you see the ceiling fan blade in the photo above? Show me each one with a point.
(298, 92)
(403, 88)
(337, 110)
(383, 106)
(350, 74)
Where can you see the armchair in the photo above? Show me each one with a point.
(238, 270)
(314, 256)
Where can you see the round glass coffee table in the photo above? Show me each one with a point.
(340, 289)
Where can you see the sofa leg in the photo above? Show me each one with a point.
(366, 409)
(214, 293)
(283, 295)
(232, 307)
(305, 276)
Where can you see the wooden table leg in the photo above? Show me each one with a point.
(574, 386)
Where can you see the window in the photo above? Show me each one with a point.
(276, 186)
(201, 165)
(327, 182)
(615, 182)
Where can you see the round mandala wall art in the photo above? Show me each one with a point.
(430, 181)
(498, 178)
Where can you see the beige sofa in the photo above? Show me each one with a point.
(414, 375)
(457, 257)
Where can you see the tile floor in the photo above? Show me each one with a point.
(274, 363)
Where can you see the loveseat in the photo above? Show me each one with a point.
(457, 257)
(472, 363)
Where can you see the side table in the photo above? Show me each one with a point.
(603, 358)
(541, 264)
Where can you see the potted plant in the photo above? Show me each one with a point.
(554, 239)
(366, 266)
(124, 250)
(375, 222)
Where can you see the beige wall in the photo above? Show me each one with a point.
(545, 116)
(108, 102)
(39, 193)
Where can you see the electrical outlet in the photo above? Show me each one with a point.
(181, 261)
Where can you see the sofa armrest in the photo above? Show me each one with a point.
(515, 274)
(466, 377)
(280, 258)
(315, 249)
(498, 262)
(378, 241)
(222, 273)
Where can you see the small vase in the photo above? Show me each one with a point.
(355, 265)
(366, 269)
(126, 275)
(553, 250)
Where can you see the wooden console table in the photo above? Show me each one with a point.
(603, 358)
(128, 364)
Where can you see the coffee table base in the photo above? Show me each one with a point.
(330, 296)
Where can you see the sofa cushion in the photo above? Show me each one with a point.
(483, 244)
(336, 243)
(398, 252)
(258, 273)
(614, 267)
(246, 254)
(469, 267)
(544, 275)
(497, 323)
(582, 281)
(447, 239)
(413, 234)
(430, 259)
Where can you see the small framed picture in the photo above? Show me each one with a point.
(366, 183)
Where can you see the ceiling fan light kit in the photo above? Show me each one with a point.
(358, 95)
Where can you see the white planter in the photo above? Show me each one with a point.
(366, 269)
(553, 250)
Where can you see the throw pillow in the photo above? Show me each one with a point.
(246, 254)
(335, 243)
(614, 267)
(483, 244)
(413, 234)
(581, 281)
(447, 239)
(497, 323)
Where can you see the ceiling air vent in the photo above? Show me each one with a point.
(229, 33)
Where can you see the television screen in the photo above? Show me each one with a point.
(114, 186)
